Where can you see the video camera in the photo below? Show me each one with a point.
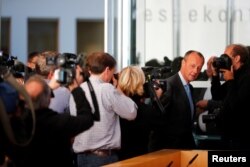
(155, 77)
(222, 62)
(66, 64)
(212, 116)
(212, 120)
(11, 63)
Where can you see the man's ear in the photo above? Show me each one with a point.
(107, 69)
(183, 61)
(237, 58)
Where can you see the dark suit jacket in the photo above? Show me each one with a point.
(176, 122)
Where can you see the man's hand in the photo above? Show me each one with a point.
(53, 84)
(202, 104)
(227, 74)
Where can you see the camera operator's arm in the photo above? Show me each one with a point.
(53, 84)
(215, 79)
(202, 104)
(209, 105)
(114, 80)
(211, 71)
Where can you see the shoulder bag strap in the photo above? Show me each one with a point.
(93, 96)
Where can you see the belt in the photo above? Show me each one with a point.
(100, 153)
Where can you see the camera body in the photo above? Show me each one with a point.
(155, 79)
(11, 63)
(66, 64)
(212, 121)
(222, 62)
(212, 116)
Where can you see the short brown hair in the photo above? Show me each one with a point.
(241, 50)
(41, 67)
(98, 61)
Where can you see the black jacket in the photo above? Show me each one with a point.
(51, 144)
(177, 122)
(135, 133)
(235, 113)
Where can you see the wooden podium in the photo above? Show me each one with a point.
(167, 158)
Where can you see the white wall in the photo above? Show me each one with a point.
(66, 11)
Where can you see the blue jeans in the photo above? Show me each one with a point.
(92, 160)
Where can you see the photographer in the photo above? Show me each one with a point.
(234, 114)
(135, 133)
(218, 90)
(46, 67)
(233, 117)
(98, 145)
(209, 107)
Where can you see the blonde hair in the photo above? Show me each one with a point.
(131, 80)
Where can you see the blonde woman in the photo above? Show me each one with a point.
(135, 134)
(131, 81)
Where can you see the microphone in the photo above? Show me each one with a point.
(192, 160)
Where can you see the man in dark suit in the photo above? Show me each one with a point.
(176, 122)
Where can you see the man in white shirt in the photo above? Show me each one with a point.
(96, 146)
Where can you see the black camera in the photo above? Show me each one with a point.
(155, 79)
(66, 64)
(212, 116)
(222, 62)
(12, 64)
(154, 74)
(212, 121)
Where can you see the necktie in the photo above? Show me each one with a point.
(187, 89)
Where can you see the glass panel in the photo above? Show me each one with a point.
(173, 27)
(203, 26)
(165, 29)
(42, 35)
(154, 30)
(241, 22)
(5, 35)
(90, 36)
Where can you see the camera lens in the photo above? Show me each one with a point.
(222, 62)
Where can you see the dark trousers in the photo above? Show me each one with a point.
(93, 160)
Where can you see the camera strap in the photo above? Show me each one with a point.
(154, 97)
(93, 96)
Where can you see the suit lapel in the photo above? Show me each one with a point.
(184, 94)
